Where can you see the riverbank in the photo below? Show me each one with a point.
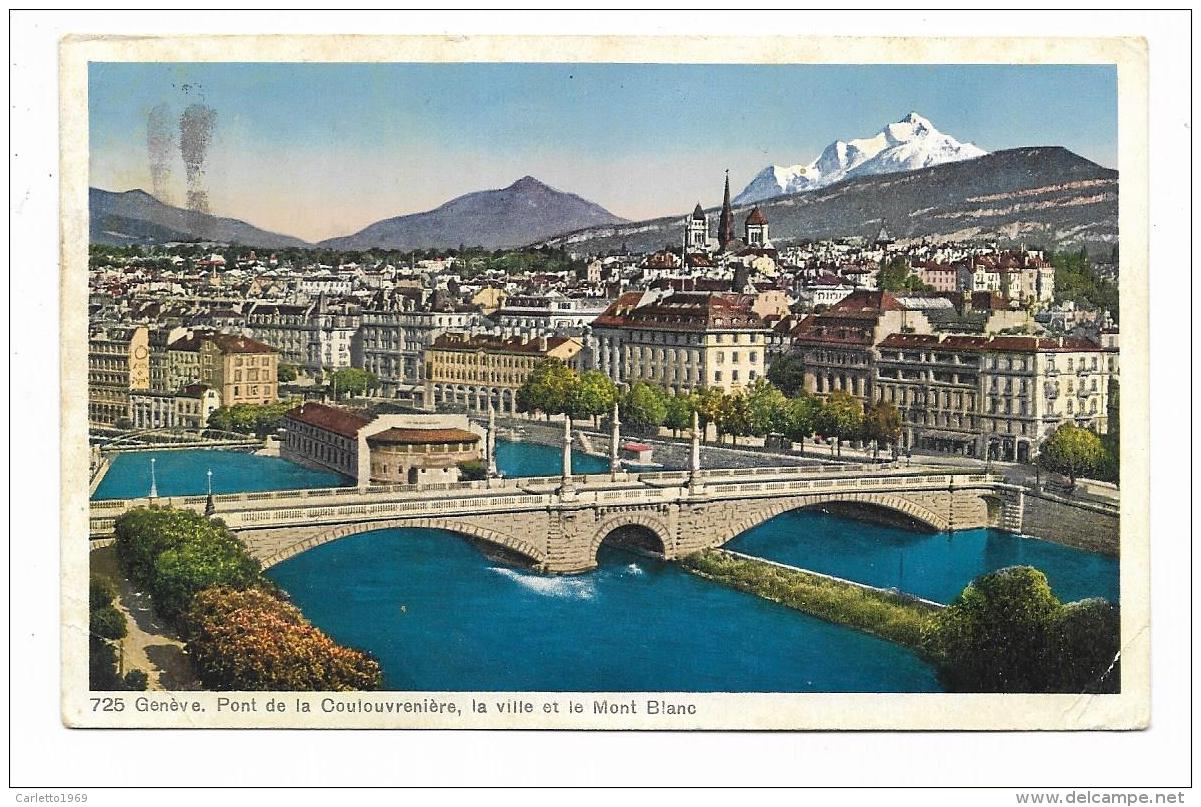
(895, 617)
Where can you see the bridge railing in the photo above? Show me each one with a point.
(599, 487)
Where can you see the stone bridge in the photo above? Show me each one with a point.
(558, 523)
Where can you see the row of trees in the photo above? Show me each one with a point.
(760, 409)
(107, 625)
(239, 631)
(1007, 632)
(257, 419)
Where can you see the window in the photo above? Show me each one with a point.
(717, 375)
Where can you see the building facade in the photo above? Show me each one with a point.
(241, 369)
(118, 363)
(473, 371)
(681, 341)
(393, 338)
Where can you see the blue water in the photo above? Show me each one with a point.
(440, 616)
(182, 473)
(932, 565)
(535, 459)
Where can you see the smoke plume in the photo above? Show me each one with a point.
(195, 135)
(160, 147)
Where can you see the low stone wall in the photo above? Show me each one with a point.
(1083, 525)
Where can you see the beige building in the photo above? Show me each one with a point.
(682, 341)
(118, 362)
(836, 346)
(472, 371)
(998, 396)
(386, 449)
(241, 369)
(188, 408)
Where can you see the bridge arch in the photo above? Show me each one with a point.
(752, 514)
(650, 523)
(325, 536)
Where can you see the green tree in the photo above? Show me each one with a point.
(882, 423)
(108, 623)
(801, 417)
(734, 417)
(679, 413)
(549, 388)
(897, 275)
(643, 405)
(472, 470)
(285, 373)
(1071, 451)
(1085, 644)
(708, 406)
(765, 408)
(102, 592)
(592, 395)
(1007, 632)
(992, 637)
(352, 381)
(787, 373)
(841, 417)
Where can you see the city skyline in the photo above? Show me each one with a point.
(640, 140)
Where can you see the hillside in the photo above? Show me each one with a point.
(1045, 196)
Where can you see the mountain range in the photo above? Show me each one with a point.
(909, 144)
(136, 217)
(1042, 195)
(522, 213)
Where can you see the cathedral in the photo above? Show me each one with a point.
(701, 249)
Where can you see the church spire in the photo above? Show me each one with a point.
(725, 224)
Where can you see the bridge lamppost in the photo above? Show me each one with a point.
(153, 482)
(210, 506)
(694, 460)
(614, 443)
(567, 488)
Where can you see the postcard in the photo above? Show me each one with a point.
(604, 383)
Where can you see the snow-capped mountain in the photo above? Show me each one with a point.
(906, 145)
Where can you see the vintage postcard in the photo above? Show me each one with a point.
(604, 383)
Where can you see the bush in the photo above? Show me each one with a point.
(108, 623)
(102, 592)
(136, 681)
(472, 470)
(102, 666)
(1006, 632)
(251, 640)
(177, 553)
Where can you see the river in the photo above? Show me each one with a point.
(442, 615)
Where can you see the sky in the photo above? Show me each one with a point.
(318, 150)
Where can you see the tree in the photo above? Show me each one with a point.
(352, 381)
(592, 395)
(897, 275)
(1007, 632)
(285, 373)
(787, 373)
(992, 637)
(765, 408)
(472, 470)
(643, 405)
(708, 406)
(251, 640)
(801, 415)
(841, 417)
(1071, 451)
(882, 423)
(734, 417)
(679, 413)
(548, 388)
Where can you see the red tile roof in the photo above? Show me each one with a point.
(329, 418)
(417, 436)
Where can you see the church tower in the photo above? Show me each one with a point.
(696, 237)
(725, 224)
(756, 229)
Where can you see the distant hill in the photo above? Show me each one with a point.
(136, 217)
(526, 211)
(1044, 195)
